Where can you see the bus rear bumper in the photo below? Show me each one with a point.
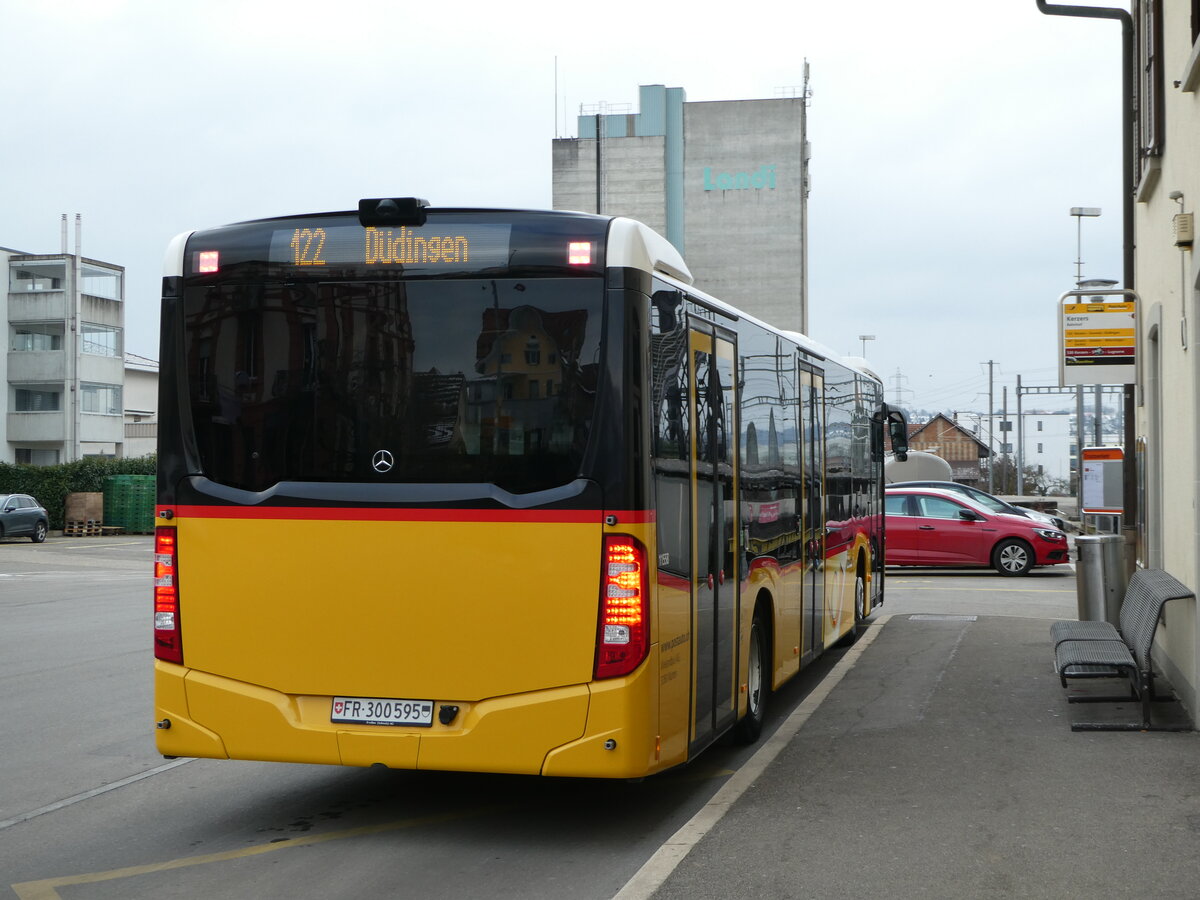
(558, 731)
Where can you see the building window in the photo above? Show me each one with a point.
(45, 276)
(34, 338)
(101, 281)
(1039, 425)
(1040, 450)
(104, 399)
(533, 352)
(101, 340)
(1148, 22)
(30, 457)
(31, 400)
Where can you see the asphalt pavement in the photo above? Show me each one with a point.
(941, 764)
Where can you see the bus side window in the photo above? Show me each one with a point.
(669, 382)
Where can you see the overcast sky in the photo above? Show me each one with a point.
(950, 140)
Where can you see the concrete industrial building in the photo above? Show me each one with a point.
(725, 181)
(64, 369)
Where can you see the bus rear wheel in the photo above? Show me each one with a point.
(749, 727)
(860, 609)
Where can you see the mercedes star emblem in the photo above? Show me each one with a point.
(382, 461)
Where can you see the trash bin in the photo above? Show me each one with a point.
(1100, 578)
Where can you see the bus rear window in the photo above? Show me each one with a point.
(468, 381)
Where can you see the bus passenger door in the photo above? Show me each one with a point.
(716, 572)
(812, 425)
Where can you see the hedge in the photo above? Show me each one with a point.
(51, 484)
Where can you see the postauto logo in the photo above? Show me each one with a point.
(761, 178)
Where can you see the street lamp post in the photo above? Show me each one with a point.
(864, 338)
(1079, 212)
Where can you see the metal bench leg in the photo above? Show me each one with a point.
(1121, 698)
(1127, 726)
(1144, 688)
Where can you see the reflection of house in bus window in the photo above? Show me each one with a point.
(526, 359)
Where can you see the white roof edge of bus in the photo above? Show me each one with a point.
(816, 348)
(860, 363)
(634, 245)
(173, 261)
(813, 346)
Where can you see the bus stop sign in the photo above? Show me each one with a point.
(1103, 481)
(1097, 337)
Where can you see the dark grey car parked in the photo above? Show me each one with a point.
(22, 516)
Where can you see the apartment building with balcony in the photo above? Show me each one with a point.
(64, 369)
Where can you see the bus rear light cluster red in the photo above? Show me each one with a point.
(624, 633)
(168, 644)
(579, 253)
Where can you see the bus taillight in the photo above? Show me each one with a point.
(168, 645)
(623, 639)
(579, 253)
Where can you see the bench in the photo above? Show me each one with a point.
(1099, 650)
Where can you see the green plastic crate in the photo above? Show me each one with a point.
(129, 502)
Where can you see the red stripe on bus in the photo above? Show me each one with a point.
(680, 583)
(390, 514)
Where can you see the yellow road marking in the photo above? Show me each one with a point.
(46, 889)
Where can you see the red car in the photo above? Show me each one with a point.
(930, 527)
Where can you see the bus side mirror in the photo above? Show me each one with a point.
(897, 431)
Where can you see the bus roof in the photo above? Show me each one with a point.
(630, 243)
(860, 364)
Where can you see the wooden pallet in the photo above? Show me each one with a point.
(90, 528)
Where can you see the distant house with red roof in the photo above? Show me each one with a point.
(944, 437)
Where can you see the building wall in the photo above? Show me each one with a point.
(742, 198)
(574, 164)
(141, 409)
(724, 181)
(72, 388)
(6, 337)
(944, 439)
(633, 184)
(1049, 439)
(1168, 413)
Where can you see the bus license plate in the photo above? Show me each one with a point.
(381, 711)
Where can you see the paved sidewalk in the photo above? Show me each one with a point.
(943, 766)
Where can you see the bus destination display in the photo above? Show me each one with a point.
(461, 246)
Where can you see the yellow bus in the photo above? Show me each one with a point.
(492, 491)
